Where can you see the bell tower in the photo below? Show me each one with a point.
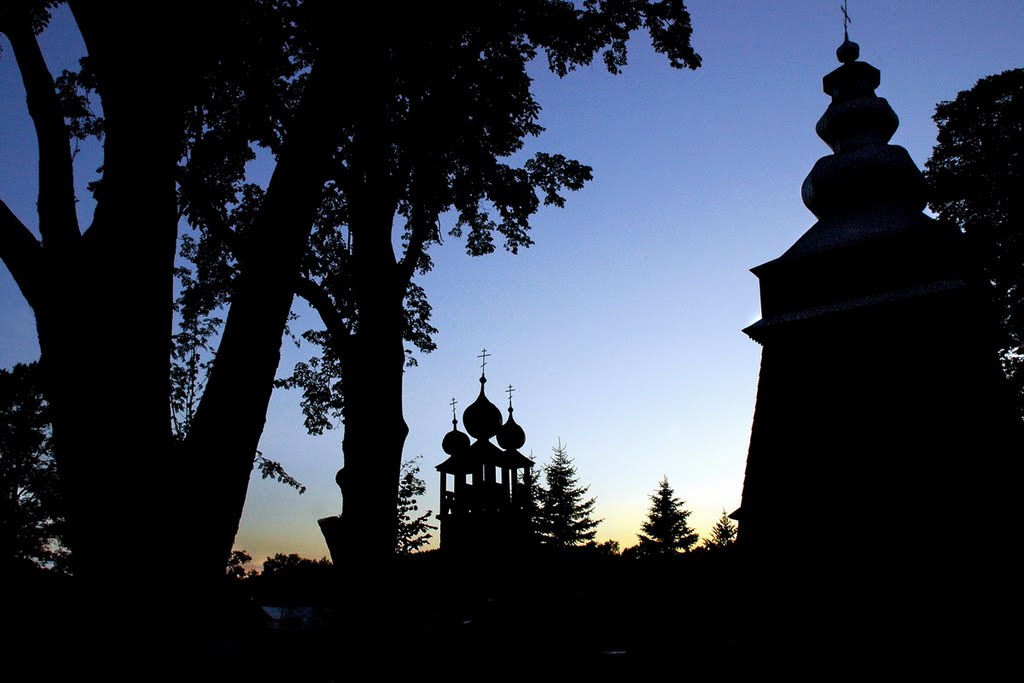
(883, 435)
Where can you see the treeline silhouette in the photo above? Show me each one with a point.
(577, 609)
(566, 601)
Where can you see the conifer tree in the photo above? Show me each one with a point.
(565, 515)
(666, 530)
(723, 534)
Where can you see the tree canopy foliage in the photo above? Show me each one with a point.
(564, 512)
(372, 121)
(975, 176)
(31, 516)
(236, 566)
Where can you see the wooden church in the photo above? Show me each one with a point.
(486, 502)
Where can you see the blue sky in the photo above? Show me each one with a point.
(620, 328)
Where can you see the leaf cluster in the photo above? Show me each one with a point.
(271, 469)
(31, 508)
(413, 529)
(237, 561)
(288, 562)
(35, 13)
(974, 176)
(290, 579)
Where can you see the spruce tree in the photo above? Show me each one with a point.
(723, 534)
(666, 531)
(565, 516)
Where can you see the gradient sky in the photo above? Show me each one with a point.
(620, 328)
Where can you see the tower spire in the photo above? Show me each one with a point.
(849, 51)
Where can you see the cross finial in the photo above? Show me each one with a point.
(510, 391)
(452, 404)
(846, 21)
(483, 361)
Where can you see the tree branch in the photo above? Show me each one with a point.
(58, 221)
(419, 233)
(91, 18)
(22, 254)
(317, 297)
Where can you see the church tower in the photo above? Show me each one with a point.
(882, 438)
(485, 489)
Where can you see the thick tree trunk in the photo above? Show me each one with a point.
(373, 356)
(362, 539)
(375, 432)
(103, 306)
(227, 427)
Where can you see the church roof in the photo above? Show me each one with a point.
(866, 187)
(482, 418)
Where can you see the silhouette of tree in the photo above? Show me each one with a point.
(290, 579)
(413, 531)
(565, 514)
(30, 508)
(236, 566)
(666, 531)
(605, 548)
(348, 101)
(432, 139)
(974, 176)
(192, 354)
(282, 562)
(85, 285)
(723, 533)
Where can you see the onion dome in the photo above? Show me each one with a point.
(864, 169)
(482, 418)
(511, 436)
(454, 441)
(848, 52)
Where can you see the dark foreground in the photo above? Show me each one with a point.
(704, 614)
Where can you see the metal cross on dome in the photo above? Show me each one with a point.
(452, 404)
(846, 20)
(510, 391)
(483, 360)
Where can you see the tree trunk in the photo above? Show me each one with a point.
(375, 432)
(103, 306)
(228, 424)
(362, 540)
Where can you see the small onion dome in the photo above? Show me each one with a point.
(510, 435)
(848, 52)
(482, 418)
(454, 441)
